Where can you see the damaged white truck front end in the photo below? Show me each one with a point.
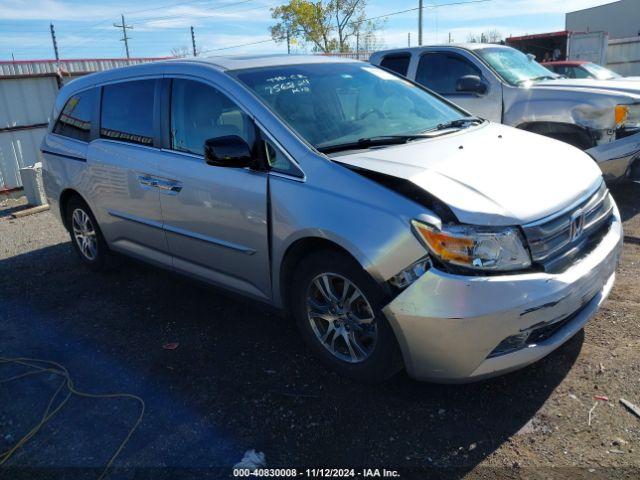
(501, 84)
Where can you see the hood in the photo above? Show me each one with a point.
(626, 79)
(490, 174)
(622, 85)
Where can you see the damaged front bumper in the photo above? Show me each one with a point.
(454, 328)
(616, 158)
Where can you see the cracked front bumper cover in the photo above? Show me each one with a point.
(449, 325)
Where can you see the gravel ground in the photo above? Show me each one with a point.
(240, 380)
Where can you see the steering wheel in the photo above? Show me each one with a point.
(371, 111)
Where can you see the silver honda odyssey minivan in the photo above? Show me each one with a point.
(396, 229)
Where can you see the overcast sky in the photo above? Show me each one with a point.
(85, 27)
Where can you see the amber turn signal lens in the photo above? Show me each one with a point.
(445, 246)
(621, 114)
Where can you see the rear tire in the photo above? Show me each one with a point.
(337, 307)
(86, 237)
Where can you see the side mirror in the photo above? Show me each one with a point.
(471, 84)
(229, 151)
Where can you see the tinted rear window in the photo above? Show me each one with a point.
(398, 63)
(127, 112)
(75, 119)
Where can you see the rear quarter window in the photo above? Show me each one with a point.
(75, 119)
(397, 62)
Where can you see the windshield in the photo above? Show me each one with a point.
(599, 72)
(332, 104)
(514, 66)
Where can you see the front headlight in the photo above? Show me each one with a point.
(627, 116)
(474, 247)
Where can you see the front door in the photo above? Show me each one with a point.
(440, 72)
(215, 218)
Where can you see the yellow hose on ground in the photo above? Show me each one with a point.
(47, 366)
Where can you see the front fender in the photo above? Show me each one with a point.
(364, 218)
(591, 109)
(615, 159)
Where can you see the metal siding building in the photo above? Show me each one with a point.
(623, 56)
(28, 90)
(619, 19)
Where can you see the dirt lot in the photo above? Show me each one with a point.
(240, 380)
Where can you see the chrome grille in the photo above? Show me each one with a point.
(556, 236)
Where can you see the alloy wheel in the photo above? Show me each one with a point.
(84, 234)
(341, 317)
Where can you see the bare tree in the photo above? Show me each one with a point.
(494, 36)
(183, 51)
(490, 36)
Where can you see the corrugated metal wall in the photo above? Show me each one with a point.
(25, 108)
(80, 66)
(27, 94)
(623, 56)
(18, 149)
(619, 19)
(26, 101)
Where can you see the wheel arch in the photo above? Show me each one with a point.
(66, 195)
(578, 136)
(294, 253)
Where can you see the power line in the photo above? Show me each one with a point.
(355, 22)
(82, 43)
(125, 27)
(172, 4)
(174, 17)
(237, 46)
(110, 18)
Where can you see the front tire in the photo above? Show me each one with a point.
(337, 307)
(86, 237)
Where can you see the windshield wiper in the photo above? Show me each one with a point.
(543, 77)
(381, 140)
(367, 142)
(459, 123)
(535, 79)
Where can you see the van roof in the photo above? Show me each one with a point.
(221, 63)
(257, 61)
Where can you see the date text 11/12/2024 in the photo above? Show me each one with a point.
(316, 473)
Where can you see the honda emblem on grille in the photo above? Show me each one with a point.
(577, 224)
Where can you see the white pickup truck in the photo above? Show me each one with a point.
(503, 85)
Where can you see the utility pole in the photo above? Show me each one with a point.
(54, 41)
(124, 38)
(55, 51)
(193, 42)
(420, 23)
(358, 45)
(409, 39)
(449, 37)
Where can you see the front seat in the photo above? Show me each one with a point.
(206, 107)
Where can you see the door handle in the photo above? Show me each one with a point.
(169, 187)
(147, 181)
